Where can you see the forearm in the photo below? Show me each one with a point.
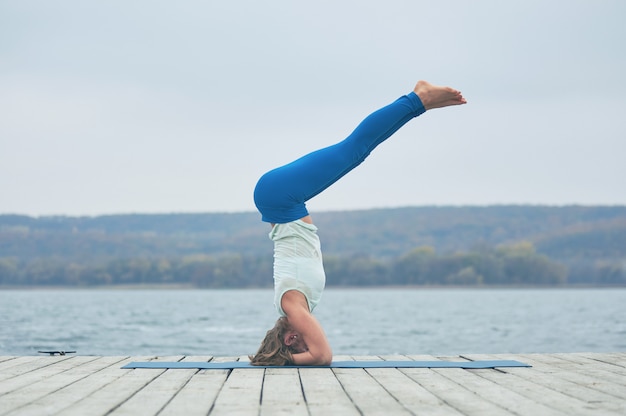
(316, 349)
(307, 358)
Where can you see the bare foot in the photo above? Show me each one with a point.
(434, 96)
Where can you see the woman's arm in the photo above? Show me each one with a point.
(296, 308)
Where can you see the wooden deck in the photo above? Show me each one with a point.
(557, 384)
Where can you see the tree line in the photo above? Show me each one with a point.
(494, 245)
(517, 264)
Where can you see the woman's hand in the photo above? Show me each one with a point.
(306, 330)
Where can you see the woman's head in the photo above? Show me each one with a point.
(278, 345)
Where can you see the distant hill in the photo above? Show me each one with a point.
(582, 238)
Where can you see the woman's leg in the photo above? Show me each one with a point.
(280, 194)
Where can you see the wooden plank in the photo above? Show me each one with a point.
(363, 358)
(618, 359)
(411, 394)
(34, 391)
(22, 365)
(543, 395)
(540, 387)
(45, 369)
(449, 391)
(316, 402)
(241, 393)
(496, 390)
(60, 399)
(595, 388)
(454, 394)
(367, 394)
(324, 394)
(6, 365)
(282, 393)
(599, 370)
(198, 395)
(615, 372)
(573, 384)
(114, 394)
(156, 394)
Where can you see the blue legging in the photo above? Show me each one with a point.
(281, 194)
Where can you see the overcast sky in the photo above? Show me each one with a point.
(155, 107)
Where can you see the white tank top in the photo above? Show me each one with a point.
(297, 262)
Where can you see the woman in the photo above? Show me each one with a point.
(280, 196)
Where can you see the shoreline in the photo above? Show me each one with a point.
(182, 287)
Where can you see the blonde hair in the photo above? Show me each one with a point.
(273, 351)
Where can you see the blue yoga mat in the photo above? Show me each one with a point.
(335, 364)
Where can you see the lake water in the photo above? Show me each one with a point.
(357, 321)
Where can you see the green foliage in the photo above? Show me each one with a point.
(498, 245)
(517, 265)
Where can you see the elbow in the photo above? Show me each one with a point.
(322, 358)
(305, 359)
(326, 358)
